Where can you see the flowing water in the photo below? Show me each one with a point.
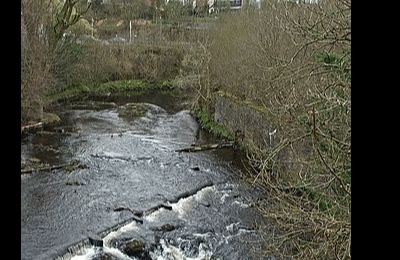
(133, 163)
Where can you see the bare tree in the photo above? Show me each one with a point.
(43, 24)
(64, 18)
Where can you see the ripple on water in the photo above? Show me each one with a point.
(137, 167)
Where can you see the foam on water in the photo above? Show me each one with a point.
(87, 254)
(117, 253)
(171, 252)
(241, 204)
(231, 227)
(204, 235)
(154, 216)
(222, 200)
(184, 205)
(126, 228)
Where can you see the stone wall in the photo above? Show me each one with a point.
(236, 115)
(251, 120)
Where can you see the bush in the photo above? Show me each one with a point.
(98, 63)
(294, 61)
(82, 27)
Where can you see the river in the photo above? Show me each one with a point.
(133, 163)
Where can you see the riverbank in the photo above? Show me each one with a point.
(286, 93)
(115, 88)
(109, 91)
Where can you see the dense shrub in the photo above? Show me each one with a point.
(294, 61)
(101, 63)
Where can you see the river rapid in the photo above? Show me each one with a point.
(133, 163)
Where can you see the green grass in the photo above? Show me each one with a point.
(247, 103)
(341, 63)
(321, 200)
(207, 123)
(127, 87)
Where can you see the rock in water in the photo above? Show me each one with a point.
(74, 183)
(164, 228)
(167, 228)
(134, 247)
(95, 240)
(131, 111)
(50, 119)
(205, 204)
(105, 256)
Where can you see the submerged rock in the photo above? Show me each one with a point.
(104, 256)
(191, 245)
(132, 111)
(93, 105)
(45, 133)
(31, 165)
(165, 228)
(74, 165)
(47, 148)
(205, 204)
(74, 183)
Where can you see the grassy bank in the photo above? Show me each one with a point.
(211, 126)
(120, 87)
(84, 67)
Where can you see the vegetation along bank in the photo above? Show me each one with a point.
(276, 78)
